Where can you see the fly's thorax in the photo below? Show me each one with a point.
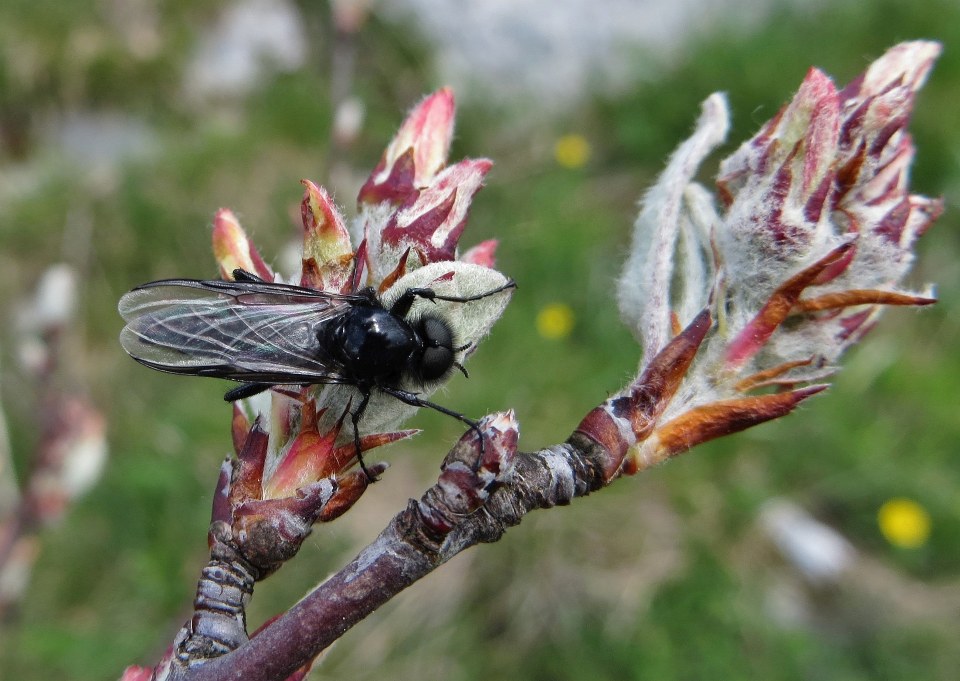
(370, 344)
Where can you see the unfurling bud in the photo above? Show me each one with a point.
(810, 234)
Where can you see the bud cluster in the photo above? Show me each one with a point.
(807, 239)
(296, 461)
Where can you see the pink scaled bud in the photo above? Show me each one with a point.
(432, 224)
(416, 154)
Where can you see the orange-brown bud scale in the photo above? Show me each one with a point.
(350, 488)
(766, 377)
(777, 308)
(714, 420)
(622, 421)
(248, 480)
(832, 301)
(239, 428)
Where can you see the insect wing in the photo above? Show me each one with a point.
(245, 331)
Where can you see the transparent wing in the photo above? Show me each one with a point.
(244, 331)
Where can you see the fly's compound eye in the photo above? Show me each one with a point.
(438, 353)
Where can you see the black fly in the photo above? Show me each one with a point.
(264, 334)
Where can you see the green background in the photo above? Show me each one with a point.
(664, 576)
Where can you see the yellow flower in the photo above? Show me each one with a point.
(571, 151)
(904, 523)
(555, 321)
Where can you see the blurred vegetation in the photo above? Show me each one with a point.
(665, 576)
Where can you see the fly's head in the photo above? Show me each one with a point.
(437, 354)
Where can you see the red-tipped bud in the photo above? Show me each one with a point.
(416, 154)
(327, 253)
(482, 459)
(484, 253)
(306, 459)
(233, 249)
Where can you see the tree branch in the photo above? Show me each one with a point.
(465, 507)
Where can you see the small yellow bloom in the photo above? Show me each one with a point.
(571, 151)
(555, 321)
(904, 522)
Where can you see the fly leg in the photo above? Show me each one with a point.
(249, 277)
(246, 390)
(414, 400)
(402, 304)
(355, 420)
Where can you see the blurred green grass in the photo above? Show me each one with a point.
(660, 576)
